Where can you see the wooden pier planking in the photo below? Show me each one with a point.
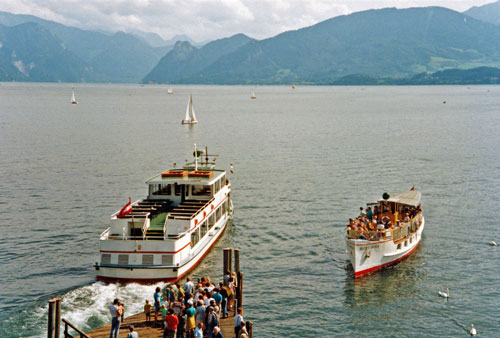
(148, 331)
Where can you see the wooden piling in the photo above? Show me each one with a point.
(57, 319)
(236, 260)
(50, 326)
(239, 290)
(227, 260)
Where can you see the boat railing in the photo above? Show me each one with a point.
(165, 228)
(105, 234)
(395, 234)
(201, 209)
(145, 226)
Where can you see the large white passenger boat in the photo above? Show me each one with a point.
(394, 231)
(162, 237)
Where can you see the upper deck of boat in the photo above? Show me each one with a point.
(188, 176)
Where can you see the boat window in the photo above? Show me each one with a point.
(147, 259)
(223, 181)
(411, 240)
(217, 187)
(211, 220)
(200, 190)
(195, 237)
(204, 228)
(224, 207)
(105, 258)
(399, 246)
(218, 213)
(178, 189)
(167, 259)
(406, 243)
(123, 259)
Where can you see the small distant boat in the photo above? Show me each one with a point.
(293, 86)
(190, 116)
(253, 95)
(73, 100)
(170, 91)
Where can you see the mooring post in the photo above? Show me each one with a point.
(239, 294)
(50, 326)
(57, 322)
(227, 260)
(236, 260)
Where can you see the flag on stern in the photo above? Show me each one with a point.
(127, 209)
(412, 188)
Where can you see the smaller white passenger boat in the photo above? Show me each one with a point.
(387, 234)
(170, 91)
(190, 116)
(253, 95)
(73, 99)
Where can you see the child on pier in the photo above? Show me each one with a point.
(147, 311)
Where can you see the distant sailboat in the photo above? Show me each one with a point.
(293, 86)
(190, 116)
(73, 100)
(253, 95)
(170, 91)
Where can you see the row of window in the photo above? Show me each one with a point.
(406, 243)
(123, 259)
(193, 190)
(208, 224)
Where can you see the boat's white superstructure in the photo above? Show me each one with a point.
(170, 91)
(164, 236)
(253, 96)
(73, 99)
(190, 116)
(401, 217)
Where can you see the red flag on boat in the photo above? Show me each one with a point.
(412, 188)
(127, 209)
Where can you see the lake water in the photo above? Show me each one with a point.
(305, 160)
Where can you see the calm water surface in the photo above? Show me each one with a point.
(305, 160)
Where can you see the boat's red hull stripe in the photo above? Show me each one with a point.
(157, 280)
(364, 272)
(150, 252)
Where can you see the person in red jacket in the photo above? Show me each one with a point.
(172, 321)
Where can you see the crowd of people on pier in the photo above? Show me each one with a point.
(371, 224)
(191, 310)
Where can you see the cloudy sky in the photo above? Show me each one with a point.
(207, 19)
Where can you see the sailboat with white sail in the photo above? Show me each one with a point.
(190, 116)
(73, 99)
(170, 91)
(253, 95)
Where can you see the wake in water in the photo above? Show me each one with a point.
(87, 307)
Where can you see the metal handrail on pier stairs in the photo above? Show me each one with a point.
(66, 331)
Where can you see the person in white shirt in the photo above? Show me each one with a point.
(114, 310)
(132, 333)
(238, 319)
(188, 287)
(198, 332)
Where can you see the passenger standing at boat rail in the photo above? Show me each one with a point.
(115, 318)
(369, 213)
(362, 213)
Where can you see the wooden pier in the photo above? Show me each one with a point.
(144, 329)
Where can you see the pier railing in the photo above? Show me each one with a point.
(68, 325)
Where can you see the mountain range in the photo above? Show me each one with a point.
(389, 45)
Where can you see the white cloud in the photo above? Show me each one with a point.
(207, 19)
